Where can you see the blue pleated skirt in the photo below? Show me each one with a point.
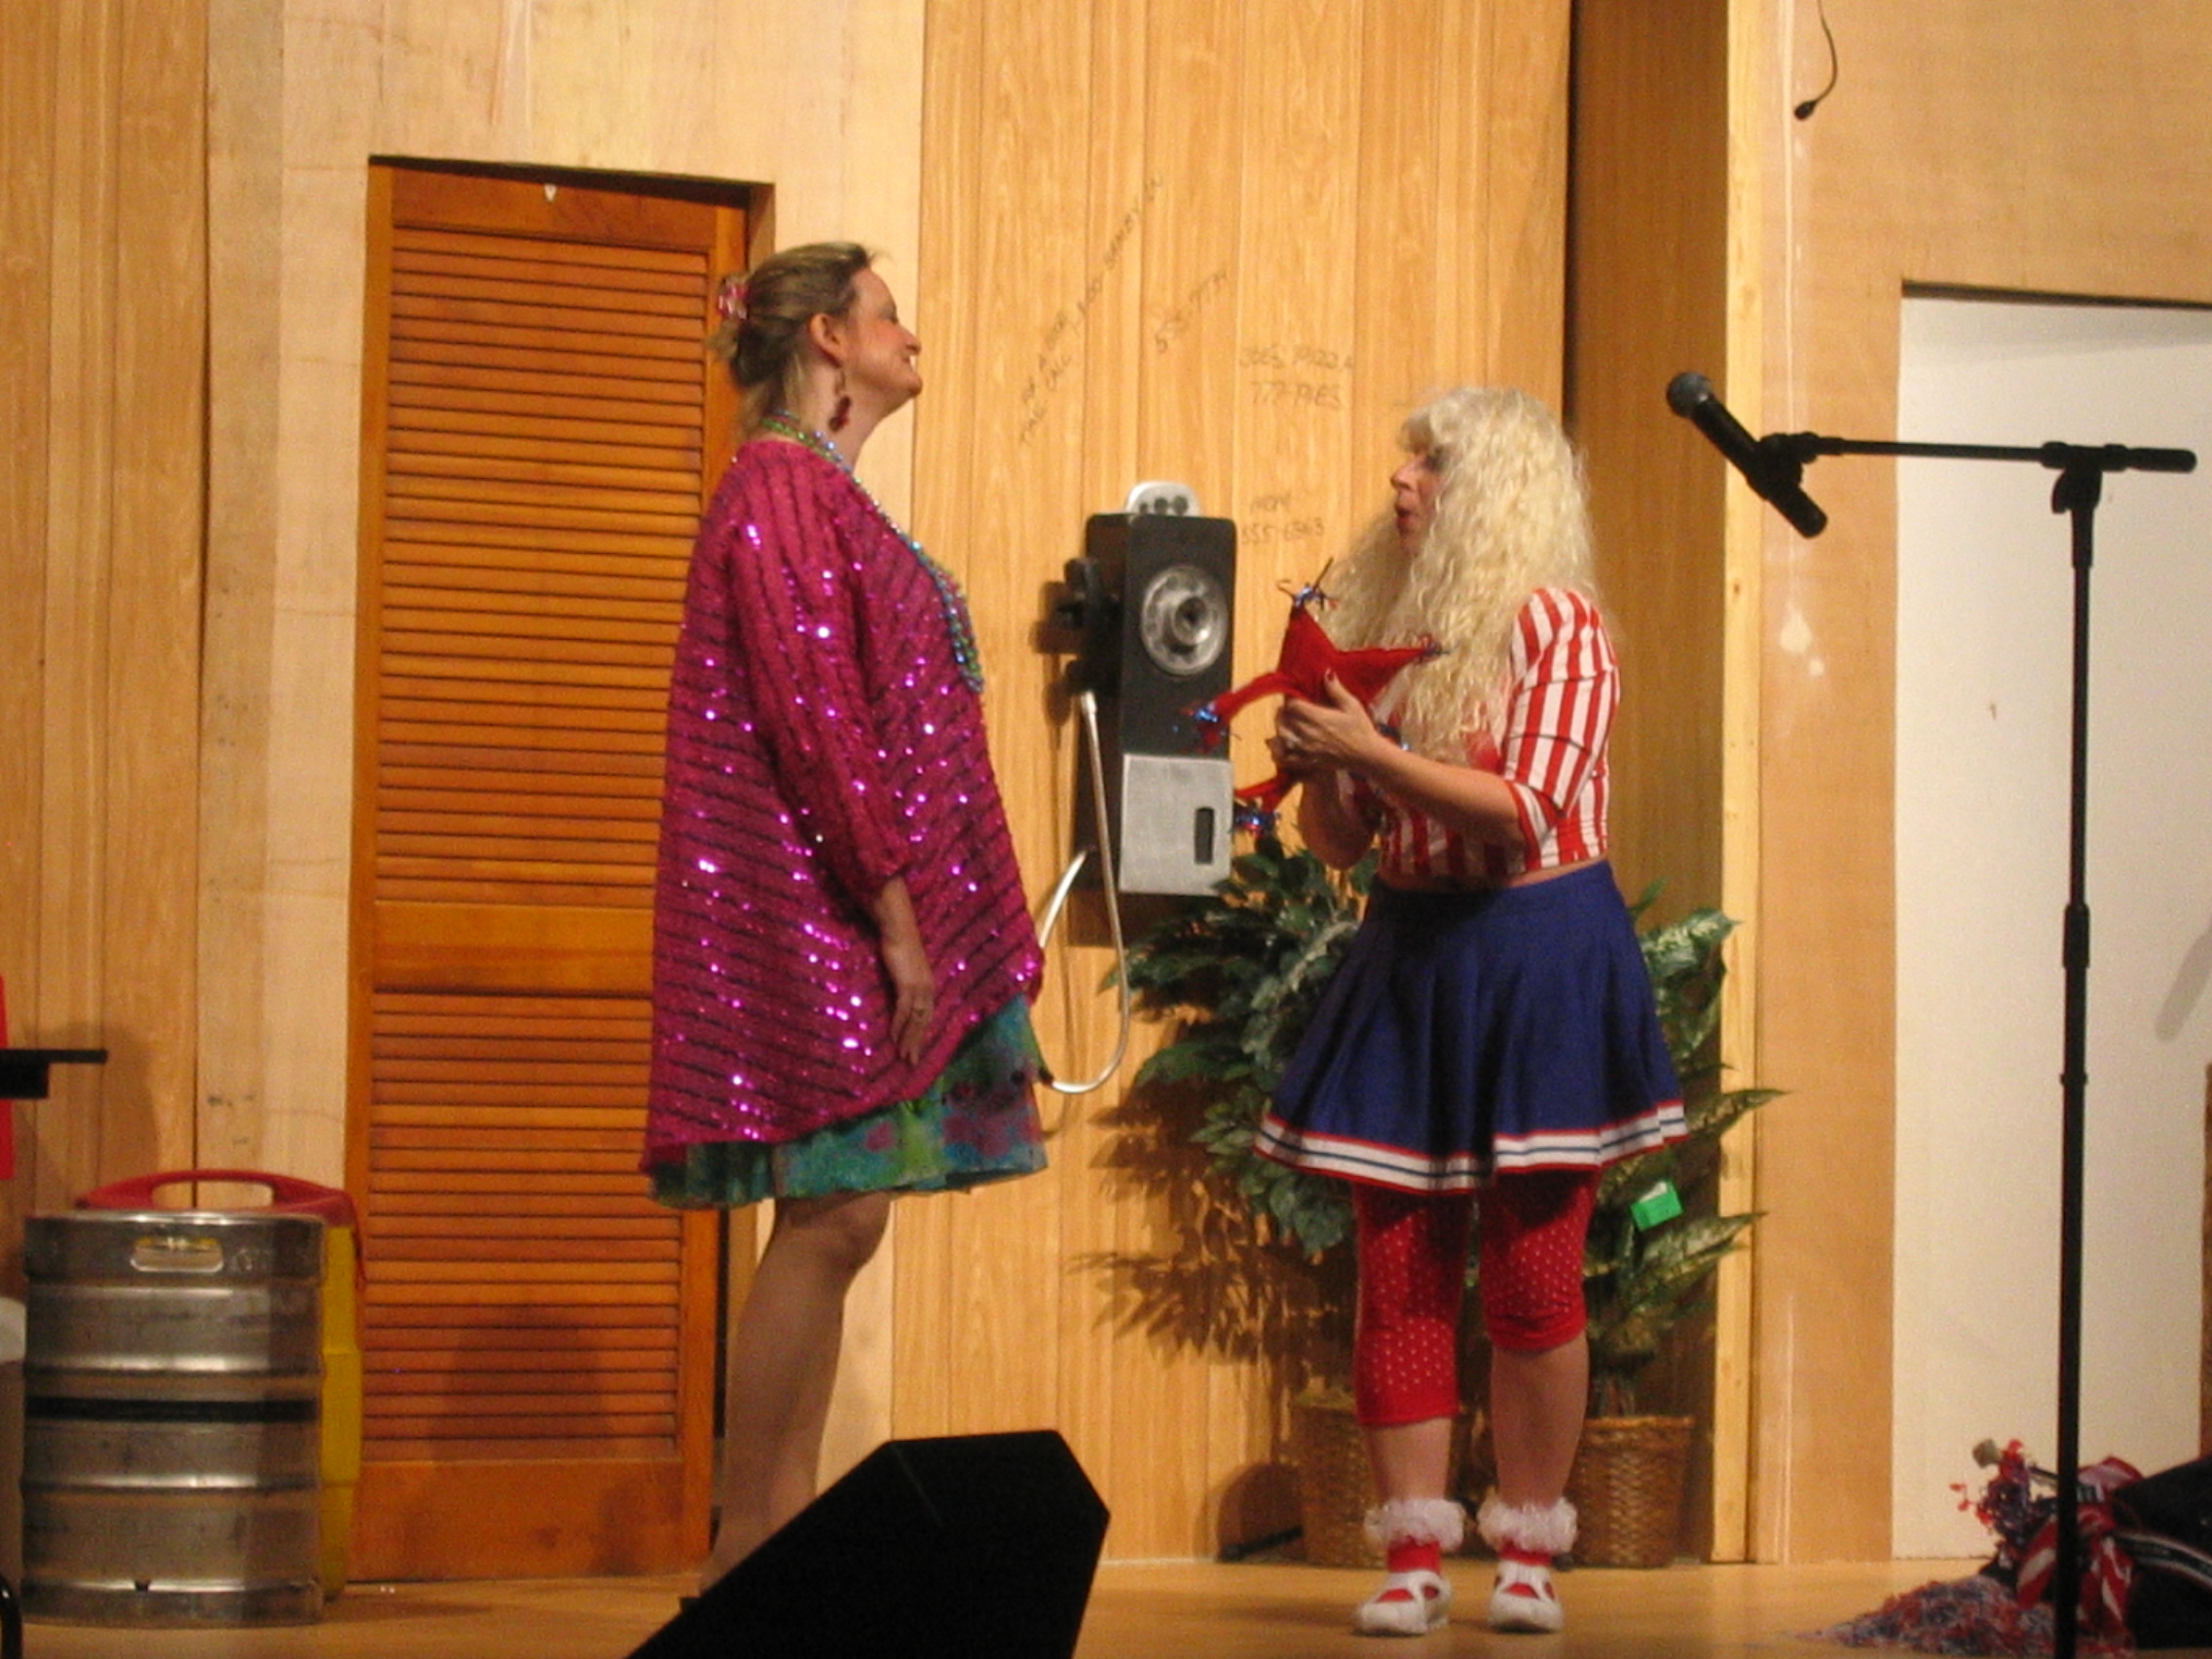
(1509, 1029)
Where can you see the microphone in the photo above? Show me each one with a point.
(1771, 471)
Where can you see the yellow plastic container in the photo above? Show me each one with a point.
(341, 1402)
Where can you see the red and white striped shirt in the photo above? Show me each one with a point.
(1551, 754)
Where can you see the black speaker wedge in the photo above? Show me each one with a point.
(979, 1545)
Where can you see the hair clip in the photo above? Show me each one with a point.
(730, 297)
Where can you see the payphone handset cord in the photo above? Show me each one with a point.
(1087, 705)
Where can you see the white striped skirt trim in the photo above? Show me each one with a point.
(1461, 1172)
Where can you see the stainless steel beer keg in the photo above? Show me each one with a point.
(172, 1439)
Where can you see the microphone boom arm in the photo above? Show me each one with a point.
(1798, 449)
(1772, 466)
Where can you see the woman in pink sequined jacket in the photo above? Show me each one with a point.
(842, 955)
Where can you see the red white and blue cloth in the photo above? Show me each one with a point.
(1504, 1029)
(1550, 751)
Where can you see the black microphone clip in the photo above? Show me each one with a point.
(1770, 466)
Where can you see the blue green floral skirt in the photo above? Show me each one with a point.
(977, 1123)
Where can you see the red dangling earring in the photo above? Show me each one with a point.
(842, 414)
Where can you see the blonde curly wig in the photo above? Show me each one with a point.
(1511, 517)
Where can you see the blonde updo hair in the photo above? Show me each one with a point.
(1512, 516)
(765, 313)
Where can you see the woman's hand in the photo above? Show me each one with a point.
(907, 965)
(1313, 745)
(1339, 734)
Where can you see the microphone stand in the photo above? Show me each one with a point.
(2079, 488)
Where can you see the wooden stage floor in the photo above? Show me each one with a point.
(1137, 1611)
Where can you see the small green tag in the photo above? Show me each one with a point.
(1661, 1203)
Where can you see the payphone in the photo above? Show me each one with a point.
(1151, 601)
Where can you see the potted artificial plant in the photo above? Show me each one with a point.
(1243, 969)
(1656, 1240)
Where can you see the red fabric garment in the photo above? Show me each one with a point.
(822, 738)
(7, 1107)
(1551, 754)
(2108, 1571)
(1534, 1226)
(1309, 656)
(1413, 1276)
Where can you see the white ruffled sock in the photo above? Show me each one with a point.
(1546, 1529)
(1525, 1537)
(1434, 1520)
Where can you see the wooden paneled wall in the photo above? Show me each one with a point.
(1208, 238)
(1650, 197)
(102, 495)
(2028, 147)
(1212, 240)
(820, 99)
(1232, 244)
(1202, 239)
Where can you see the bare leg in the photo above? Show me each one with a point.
(1536, 1402)
(783, 1363)
(1411, 1459)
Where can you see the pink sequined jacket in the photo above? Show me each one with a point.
(822, 739)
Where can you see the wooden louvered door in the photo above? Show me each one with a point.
(540, 428)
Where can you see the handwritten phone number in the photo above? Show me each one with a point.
(1315, 394)
(1280, 529)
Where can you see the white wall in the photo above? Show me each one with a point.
(1984, 629)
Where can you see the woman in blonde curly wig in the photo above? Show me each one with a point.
(1489, 548)
(1492, 1030)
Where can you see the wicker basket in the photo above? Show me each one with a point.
(1335, 1486)
(1626, 1485)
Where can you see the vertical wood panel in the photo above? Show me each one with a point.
(1294, 499)
(2024, 148)
(103, 491)
(1651, 191)
(81, 454)
(152, 695)
(1523, 229)
(245, 264)
(1296, 331)
(29, 134)
(1197, 110)
(1257, 294)
(1122, 181)
(1394, 341)
(1734, 1378)
(1026, 420)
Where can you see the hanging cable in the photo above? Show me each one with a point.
(1804, 111)
(1087, 705)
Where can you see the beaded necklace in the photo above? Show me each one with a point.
(948, 595)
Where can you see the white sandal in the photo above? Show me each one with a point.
(1524, 1599)
(1416, 1601)
(1409, 1604)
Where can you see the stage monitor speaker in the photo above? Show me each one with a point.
(2175, 1501)
(2166, 1521)
(979, 1545)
